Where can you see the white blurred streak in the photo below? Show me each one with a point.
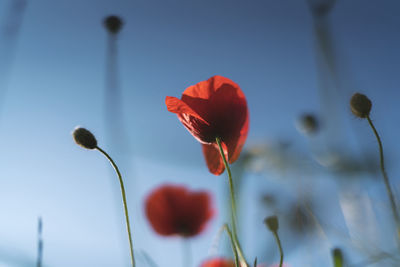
(360, 218)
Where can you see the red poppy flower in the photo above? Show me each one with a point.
(174, 210)
(210, 109)
(218, 262)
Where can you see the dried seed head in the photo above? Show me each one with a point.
(272, 223)
(360, 105)
(84, 138)
(113, 24)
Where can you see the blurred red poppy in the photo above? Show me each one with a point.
(174, 210)
(210, 109)
(218, 262)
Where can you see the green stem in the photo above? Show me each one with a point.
(235, 253)
(278, 241)
(233, 201)
(385, 176)
(128, 227)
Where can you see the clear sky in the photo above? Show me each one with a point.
(54, 77)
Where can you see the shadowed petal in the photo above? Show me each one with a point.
(213, 158)
(158, 211)
(235, 145)
(175, 105)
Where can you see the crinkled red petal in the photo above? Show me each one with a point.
(213, 158)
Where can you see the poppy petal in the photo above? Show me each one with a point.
(198, 207)
(214, 108)
(174, 210)
(231, 119)
(158, 211)
(175, 105)
(218, 262)
(235, 145)
(213, 158)
(205, 89)
(199, 96)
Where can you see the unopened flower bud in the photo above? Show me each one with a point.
(84, 138)
(113, 24)
(360, 105)
(321, 8)
(308, 124)
(337, 257)
(272, 223)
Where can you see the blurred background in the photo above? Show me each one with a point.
(307, 159)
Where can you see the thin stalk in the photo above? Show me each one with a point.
(186, 253)
(40, 243)
(128, 227)
(278, 241)
(385, 177)
(235, 253)
(233, 201)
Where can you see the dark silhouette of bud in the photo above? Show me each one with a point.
(337, 257)
(360, 105)
(272, 223)
(113, 24)
(321, 8)
(308, 124)
(84, 138)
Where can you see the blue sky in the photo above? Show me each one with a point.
(56, 82)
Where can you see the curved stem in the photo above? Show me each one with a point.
(385, 176)
(235, 253)
(233, 201)
(278, 241)
(128, 227)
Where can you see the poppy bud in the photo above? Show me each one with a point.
(321, 8)
(308, 124)
(337, 257)
(113, 24)
(84, 138)
(360, 105)
(272, 223)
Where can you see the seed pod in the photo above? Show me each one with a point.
(84, 138)
(113, 24)
(272, 223)
(360, 105)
